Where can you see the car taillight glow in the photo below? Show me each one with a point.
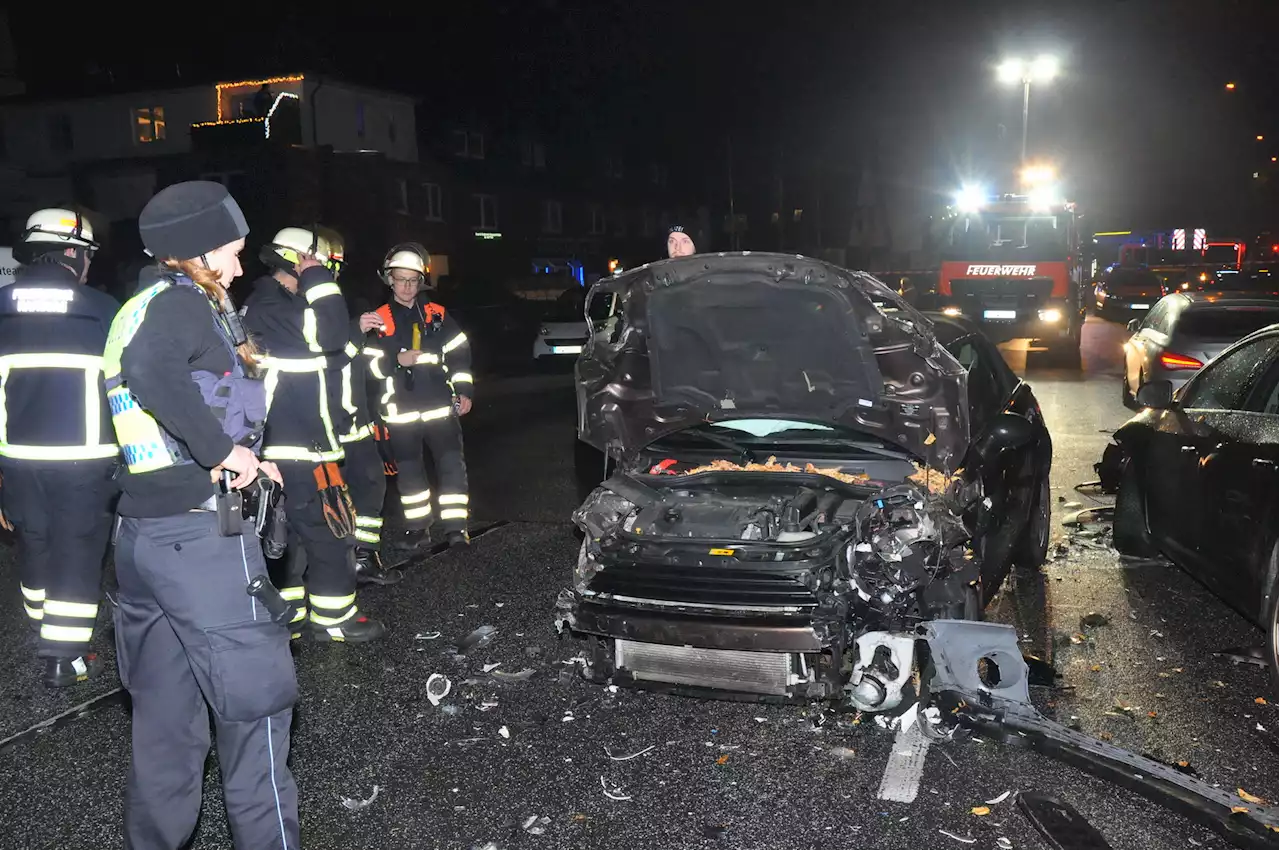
(1179, 361)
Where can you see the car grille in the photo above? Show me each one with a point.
(1027, 290)
(566, 341)
(722, 669)
(728, 587)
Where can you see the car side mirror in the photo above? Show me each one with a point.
(1133, 325)
(1157, 395)
(1008, 432)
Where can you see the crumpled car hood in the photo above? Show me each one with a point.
(724, 336)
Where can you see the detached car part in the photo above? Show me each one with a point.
(978, 668)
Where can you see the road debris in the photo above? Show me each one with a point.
(1004, 843)
(1249, 798)
(504, 732)
(489, 668)
(523, 676)
(980, 811)
(998, 800)
(1093, 620)
(536, 825)
(955, 837)
(427, 636)
(355, 804)
(714, 831)
(614, 793)
(438, 687)
(478, 639)
(630, 757)
(844, 752)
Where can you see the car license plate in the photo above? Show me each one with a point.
(999, 314)
(1139, 306)
(566, 349)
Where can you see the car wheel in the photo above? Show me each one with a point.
(1033, 547)
(1126, 395)
(1129, 528)
(1273, 621)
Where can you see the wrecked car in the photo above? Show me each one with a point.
(802, 475)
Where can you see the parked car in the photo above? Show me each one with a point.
(1195, 477)
(1126, 291)
(800, 479)
(1256, 279)
(562, 329)
(1186, 330)
(500, 326)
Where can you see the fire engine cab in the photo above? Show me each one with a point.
(1012, 263)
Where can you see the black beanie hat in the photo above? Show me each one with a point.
(188, 220)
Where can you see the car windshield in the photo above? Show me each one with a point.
(1012, 238)
(1132, 279)
(569, 307)
(1226, 322)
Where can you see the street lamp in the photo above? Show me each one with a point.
(1042, 69)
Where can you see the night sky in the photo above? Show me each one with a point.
(1140, 123)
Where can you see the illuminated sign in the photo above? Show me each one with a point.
(488, 234)
(1180, 239)
(1198, 239)
(1001, 271)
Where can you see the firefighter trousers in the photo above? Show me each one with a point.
(62, 513)
(443, 439)
(190, 639)
(320, 569)
(367, 480)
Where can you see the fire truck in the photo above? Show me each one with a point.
(1013, 264)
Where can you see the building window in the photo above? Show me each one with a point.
(648, 222)
(148, 124)
(434, 200)
(60, 139)
(402, 197)
(533, 155)
(598, 224)
(486, 212)
(552, 217)
(468, 144)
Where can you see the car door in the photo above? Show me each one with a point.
(990, 394)
(1238, 478)
(1147, 342)
(1180, 510)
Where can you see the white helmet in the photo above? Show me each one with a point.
(289, 245)
(410, 256)
(63, 227)
(333, 246)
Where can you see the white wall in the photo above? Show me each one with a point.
(101, 128)
(337, 120)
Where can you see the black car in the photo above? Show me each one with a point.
(1195, 477)
(802, 478)
(501, 326)
(1126, 292)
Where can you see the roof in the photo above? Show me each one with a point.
(97, 90)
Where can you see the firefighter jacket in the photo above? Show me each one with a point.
(179, 396)
(424, 391)
(302, 336)
(52, 332)
(359, 392)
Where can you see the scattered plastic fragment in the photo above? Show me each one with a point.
(489, 668)
(427, 636)
(998, 800)
(1078, 638)
(1249, 798)
(844, 752)
(714, 831)
(481, 637)
(356, 805)
(451, 710)
(613, 794)
(628, 758)
(504, 732)
(762, 720)
(1260, 700)
(1156, 633)
(724, 758)
(980, 811)
(1004, 843)
(955, 837)
(535, 825)
(488, 705)
(522, 676)
(438, 688)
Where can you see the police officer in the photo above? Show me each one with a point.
(298, 317)
(362, 465)
(186, 410)
(428, 361)
(57, 450)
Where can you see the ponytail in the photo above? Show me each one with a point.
(211, 282)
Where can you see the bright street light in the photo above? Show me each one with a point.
(1034, 175)
(969, 199)
(1041, 70)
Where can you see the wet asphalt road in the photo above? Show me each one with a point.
(718, 774)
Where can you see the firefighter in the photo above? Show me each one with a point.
(297, 316)
(427, 360)
(57, 450)
(679, 242)
(188, 413)
(362, 467)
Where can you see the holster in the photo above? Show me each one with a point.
(339, 511)
(269, 518)
(230, 504)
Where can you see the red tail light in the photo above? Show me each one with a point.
(1179, 361)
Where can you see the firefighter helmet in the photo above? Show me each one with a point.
(287, 248)
(334, 246)
(410, 256)
(61, 227)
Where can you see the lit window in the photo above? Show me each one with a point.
(148, 124)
